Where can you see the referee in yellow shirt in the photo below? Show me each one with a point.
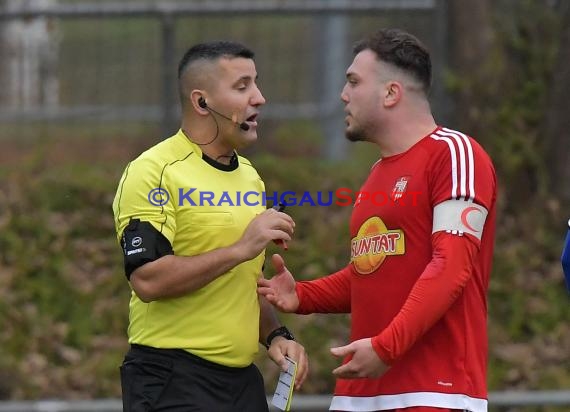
(194, 246)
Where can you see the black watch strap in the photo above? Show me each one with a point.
(280, 331)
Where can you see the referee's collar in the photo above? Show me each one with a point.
(234, 162)
(233, 165)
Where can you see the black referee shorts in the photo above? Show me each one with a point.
(174, 380)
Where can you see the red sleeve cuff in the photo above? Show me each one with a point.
(383, 353)
(301, 310)
(329, 294)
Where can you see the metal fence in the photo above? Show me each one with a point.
(116, 61)
(302, 403)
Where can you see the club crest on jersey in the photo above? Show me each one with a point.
(372, 243)
(400, 187)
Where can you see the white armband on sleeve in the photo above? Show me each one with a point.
(459, 217)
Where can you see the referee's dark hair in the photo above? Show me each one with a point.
(207, 53)
(213, 51)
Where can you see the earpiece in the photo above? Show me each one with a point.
(242, 125)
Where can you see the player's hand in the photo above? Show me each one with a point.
(265, 227)
(281, 347)
(364, 363)
(280, 289)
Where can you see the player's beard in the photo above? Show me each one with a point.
(358, 134)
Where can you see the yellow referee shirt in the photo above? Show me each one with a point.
(197, 207)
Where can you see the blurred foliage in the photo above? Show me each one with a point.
(64, 298)
(62, 301)
(509, 91)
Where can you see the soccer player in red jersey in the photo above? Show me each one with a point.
(416, 285)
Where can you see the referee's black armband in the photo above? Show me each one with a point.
(141, 244)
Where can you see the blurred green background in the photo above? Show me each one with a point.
(63, 295)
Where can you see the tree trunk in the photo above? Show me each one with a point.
(558, 117)
(471, 38)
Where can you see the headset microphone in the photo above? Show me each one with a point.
(202, 103)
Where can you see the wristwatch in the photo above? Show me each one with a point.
(280, 331)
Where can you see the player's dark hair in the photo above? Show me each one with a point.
(401, 49)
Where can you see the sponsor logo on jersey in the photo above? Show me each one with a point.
(373, 242)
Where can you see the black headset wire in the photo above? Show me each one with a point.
(211, 141)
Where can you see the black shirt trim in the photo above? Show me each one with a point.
(233, 165)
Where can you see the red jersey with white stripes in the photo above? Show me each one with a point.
(422, 235)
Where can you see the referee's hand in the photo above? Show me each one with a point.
(270, 225)
(281, 347)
